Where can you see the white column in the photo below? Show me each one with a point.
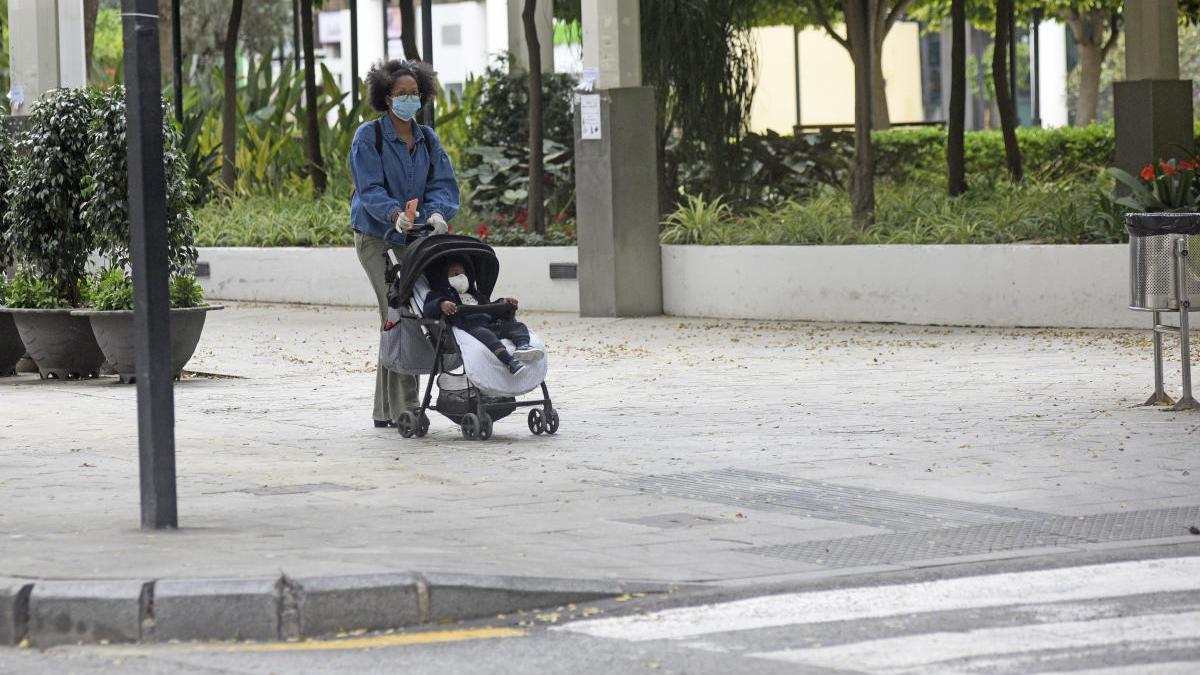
(612, 42)
(72, 60)
(370, 35)
(497, 29)
(545, 30)
(1052, 80)
(33, 51)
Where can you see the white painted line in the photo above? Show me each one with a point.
(995, 590)
(1168, 668)
(923, 653)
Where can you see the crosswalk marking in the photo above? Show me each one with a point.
(996, 590)
(921, 653)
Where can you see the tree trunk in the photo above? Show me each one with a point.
(1004, 97)
(312, 130)
(956, 169)
(91, 9)
(880, 116)
(859, 33)
(408, 30)
(1090, 62)
(537, 187)
(229, 109)
(166, 58)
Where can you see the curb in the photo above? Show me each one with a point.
(45, 613)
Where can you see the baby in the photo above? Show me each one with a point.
(454, 297)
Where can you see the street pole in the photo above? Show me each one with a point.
(1012, 61)
(354, 54)
(1035, 81)
(177, 59)
(148, 248)
(427, 48)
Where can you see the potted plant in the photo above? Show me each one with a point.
(112, 320)
(49, 243)
(105, 212)
(11, 347)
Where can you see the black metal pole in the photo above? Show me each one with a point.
(354, 54)
(1035, 79)
(385, 29)
(427, 48)
(177, 56)
(148, 248)
(296, 34)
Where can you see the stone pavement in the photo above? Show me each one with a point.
(690, 450)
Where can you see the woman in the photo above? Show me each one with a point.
(395, 161)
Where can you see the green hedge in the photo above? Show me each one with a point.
(903, 154)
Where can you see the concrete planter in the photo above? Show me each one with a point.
(333, 276)
(11, 347)
(61, 345)
(115, 334)
(1067, 286)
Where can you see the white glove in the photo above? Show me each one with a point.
(403, 224)
(438, 222)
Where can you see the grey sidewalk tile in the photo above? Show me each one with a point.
(67, 612)
(14, 609)
(216, 609)
(365, 601)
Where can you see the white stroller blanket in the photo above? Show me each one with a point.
(483, 369)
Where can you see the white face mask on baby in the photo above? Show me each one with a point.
(460, 283)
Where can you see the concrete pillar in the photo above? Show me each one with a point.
(72, 61)
(1153, 107)
(545, 31)
(33, 51)
(616, 170)
(1052, 79)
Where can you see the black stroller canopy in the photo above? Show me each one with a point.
(424, 253)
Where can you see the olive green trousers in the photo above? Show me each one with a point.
(394, 392)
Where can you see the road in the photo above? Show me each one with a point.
(1124, 611)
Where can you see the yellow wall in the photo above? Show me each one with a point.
(827, 78)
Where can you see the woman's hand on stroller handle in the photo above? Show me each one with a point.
(448, 307)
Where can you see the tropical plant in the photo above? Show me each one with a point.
(104, 210)
(112, 290)
(6, 151)
(689, 223)
(45, 233)
(185, 292)
(1169, 185)
(500, 179)
(27, 291)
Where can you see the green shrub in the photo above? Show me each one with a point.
(186, 292)
(1056, 212)
(696, 220)
(112, 290)
(265, 220)
(27, 291)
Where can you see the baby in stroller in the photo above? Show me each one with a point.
(453, 294)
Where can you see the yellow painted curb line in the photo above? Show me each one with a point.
(376, 641)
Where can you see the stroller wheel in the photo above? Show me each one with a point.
(470, 426)
(536, 422)
(551, 423)
(485, 426)
(422, 424)
(407, 424)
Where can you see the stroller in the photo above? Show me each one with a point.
(474, 389)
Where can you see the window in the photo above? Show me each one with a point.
(451, 35)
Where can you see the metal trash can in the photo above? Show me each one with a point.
(1163, 277)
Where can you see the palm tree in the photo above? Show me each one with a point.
(312, 130)
(229, 109)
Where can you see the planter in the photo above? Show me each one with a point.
(11, 347)
(61, 345)
(115, 333)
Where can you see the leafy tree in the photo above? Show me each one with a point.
(537, 185)
(229, 109)
(312, 128)
(955, 147)
(408, 30)
(1000, 80)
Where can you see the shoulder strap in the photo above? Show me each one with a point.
(379, 135)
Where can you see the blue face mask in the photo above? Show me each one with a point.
(406, 106)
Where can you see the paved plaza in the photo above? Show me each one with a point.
(691, 450)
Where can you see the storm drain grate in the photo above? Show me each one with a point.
(879, 549)
(862, 506)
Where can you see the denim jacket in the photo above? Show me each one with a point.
(385, 180)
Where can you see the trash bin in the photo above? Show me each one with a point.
(1153, 242)
(1164, 276)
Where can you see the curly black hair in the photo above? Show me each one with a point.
(382, 76)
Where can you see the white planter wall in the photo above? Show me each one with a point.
(333, 276)
(987, 285)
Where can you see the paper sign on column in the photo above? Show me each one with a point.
(589, 117)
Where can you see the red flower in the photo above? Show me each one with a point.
(482, 231)
(1189, 165)
(1148, 172)
(558, 218)
(1167, 168)
(570, 234)
(521, 216)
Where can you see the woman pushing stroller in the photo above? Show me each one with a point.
(453, 294)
